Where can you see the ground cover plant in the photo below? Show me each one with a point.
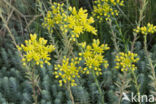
(77, 52)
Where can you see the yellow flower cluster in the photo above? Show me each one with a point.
(79, 22)
(67, 71)
(93, 56)
(54, 17)
(105, 9)
(69, 20)
(126, 61)
(149, 29)
(36, 51)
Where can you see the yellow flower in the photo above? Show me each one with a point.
(67, 71)
(105, 9)
(93, 56)
(149, 29)
(36, 51)
(73, 22)
(126, 61)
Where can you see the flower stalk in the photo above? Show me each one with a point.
(141, 17)
(114, 37)
(99, 88)
(70, 93)
(34, 80)
(149, 60)
(123, 85)
(136, 83)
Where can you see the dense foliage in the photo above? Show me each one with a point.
(77, 51)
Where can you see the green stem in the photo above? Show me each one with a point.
(114, 37)
(123, 87)
(121, 34)
(136, 83)
(149, 59)
(70, 93)
(34, 90)
(116, 22)
(34, 81)
(67, 3)
(141, 16)
(99, 88)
